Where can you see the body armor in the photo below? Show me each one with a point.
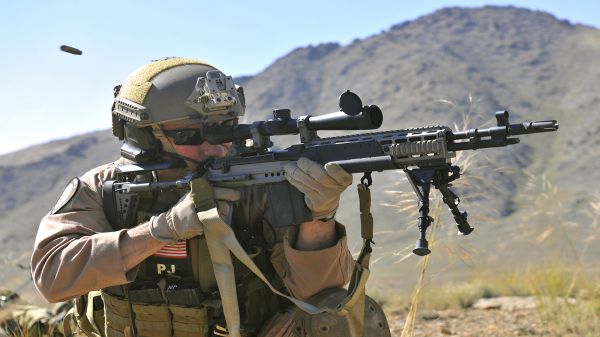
(173, 293)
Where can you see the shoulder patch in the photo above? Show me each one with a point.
(68, 194)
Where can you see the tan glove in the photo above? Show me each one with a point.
(178, 223)
(321, 185)
(181, 221)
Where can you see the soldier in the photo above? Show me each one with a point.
(156, 278)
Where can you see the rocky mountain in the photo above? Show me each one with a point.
(443, 68)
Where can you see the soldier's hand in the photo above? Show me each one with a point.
(181, 221)
(321, 185)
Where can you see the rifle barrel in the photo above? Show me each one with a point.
(506, 131)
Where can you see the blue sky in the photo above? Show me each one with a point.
(47, 94)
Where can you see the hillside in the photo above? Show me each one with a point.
(432, 70)
(467, 61)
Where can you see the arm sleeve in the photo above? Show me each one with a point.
(76, 250)
(305, 273)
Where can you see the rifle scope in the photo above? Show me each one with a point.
(353, 117)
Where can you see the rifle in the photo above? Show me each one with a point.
(423, 153)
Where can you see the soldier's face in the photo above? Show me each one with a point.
(196, 152)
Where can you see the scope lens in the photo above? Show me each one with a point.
(375, 115)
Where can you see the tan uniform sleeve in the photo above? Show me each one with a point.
(77, 250)
(305, 273)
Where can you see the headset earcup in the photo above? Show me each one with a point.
(140, 137)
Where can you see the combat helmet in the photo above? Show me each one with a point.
(170, 90)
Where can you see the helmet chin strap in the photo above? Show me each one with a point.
(158, 133)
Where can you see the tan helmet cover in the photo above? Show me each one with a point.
(177, 89)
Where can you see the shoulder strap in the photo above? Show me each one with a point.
(202, 271)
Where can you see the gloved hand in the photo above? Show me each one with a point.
(178, 223)
(181, 221)
(321, 185)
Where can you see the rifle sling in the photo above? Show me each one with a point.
(221, 240)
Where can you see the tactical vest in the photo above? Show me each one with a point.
(175, 295)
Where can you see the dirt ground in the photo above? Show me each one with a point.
(492, 320)
(472, 323)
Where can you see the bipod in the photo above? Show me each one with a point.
(440, 177)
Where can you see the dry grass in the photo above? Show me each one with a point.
(564, 307)
(568, 298)
(465, 161)
(409, 326)
(580, 314)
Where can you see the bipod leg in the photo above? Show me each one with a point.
(441, 182)
(420, 180)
